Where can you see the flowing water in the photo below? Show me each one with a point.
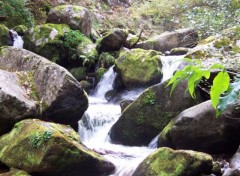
(101, 115)
(17, 40)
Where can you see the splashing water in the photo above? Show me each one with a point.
(17, 40)
(101, 115)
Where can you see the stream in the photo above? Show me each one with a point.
(101, 115)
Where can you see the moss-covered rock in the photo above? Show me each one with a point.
(43, 148)
(4, 36)
(20, 29)
(143, 119)
(77, 17)
(79, 73)
(112, 40)
(46, 40)
(223, 48)
(179, 51)
(138, 67)
(168, 162)
(15, 172)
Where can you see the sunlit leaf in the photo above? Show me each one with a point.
(220, 85)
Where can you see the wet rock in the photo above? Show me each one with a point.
(166, 161)
(124, 104)
(46, 40)
(44, 89)
(79, 73)
(169, 40)
(77, 17)
(138, 68)
(42, 148)
(112, 40)
(198, 128)
(234, 165)
(179, 51)
(150, 113)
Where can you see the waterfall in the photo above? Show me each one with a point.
(105, 83)
(101, 115)
(170, 65)
(17, 40)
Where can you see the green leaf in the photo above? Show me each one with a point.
(220, 85)
(232, 95)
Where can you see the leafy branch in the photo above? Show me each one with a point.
(222, 92)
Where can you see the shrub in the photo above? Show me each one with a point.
(16, 13)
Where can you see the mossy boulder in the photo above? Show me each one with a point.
(79, 73)
(143, 119)
(112, 40)
(15, 172)
(53, 92)
(169, 40)
(168, 162)
(223, 48)
(20, 29)
(43, 148)
(46, 40)
(198, 128)
(179, 51)
(4, 36)
(77, 17)
(139, 68)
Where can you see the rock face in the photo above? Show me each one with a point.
(197, 128)
(138, 68)
(166, 161)
(15, 103)
(77, 17)
(56, 95)
(169, 40)
(143, 119)
(112, 40)
(42, 148)
(234, 165)
(45, 40)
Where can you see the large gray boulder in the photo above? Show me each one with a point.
(166, 161)
(37, 87)
(15, 103)
(43, 148)
(169, 40)
(198, 128)
(77, 17)
(147, 116)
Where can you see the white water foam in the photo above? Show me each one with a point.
(101, 115)
(17, 40)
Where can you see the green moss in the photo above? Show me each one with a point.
(79, 73)
(165, 132)
(150, 98)
(100, 72)
(139, 66)
(20, 29)
(222, 42)
(3, 35)
(167, 162)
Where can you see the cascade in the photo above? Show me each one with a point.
(17, 40)
(101, 115)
